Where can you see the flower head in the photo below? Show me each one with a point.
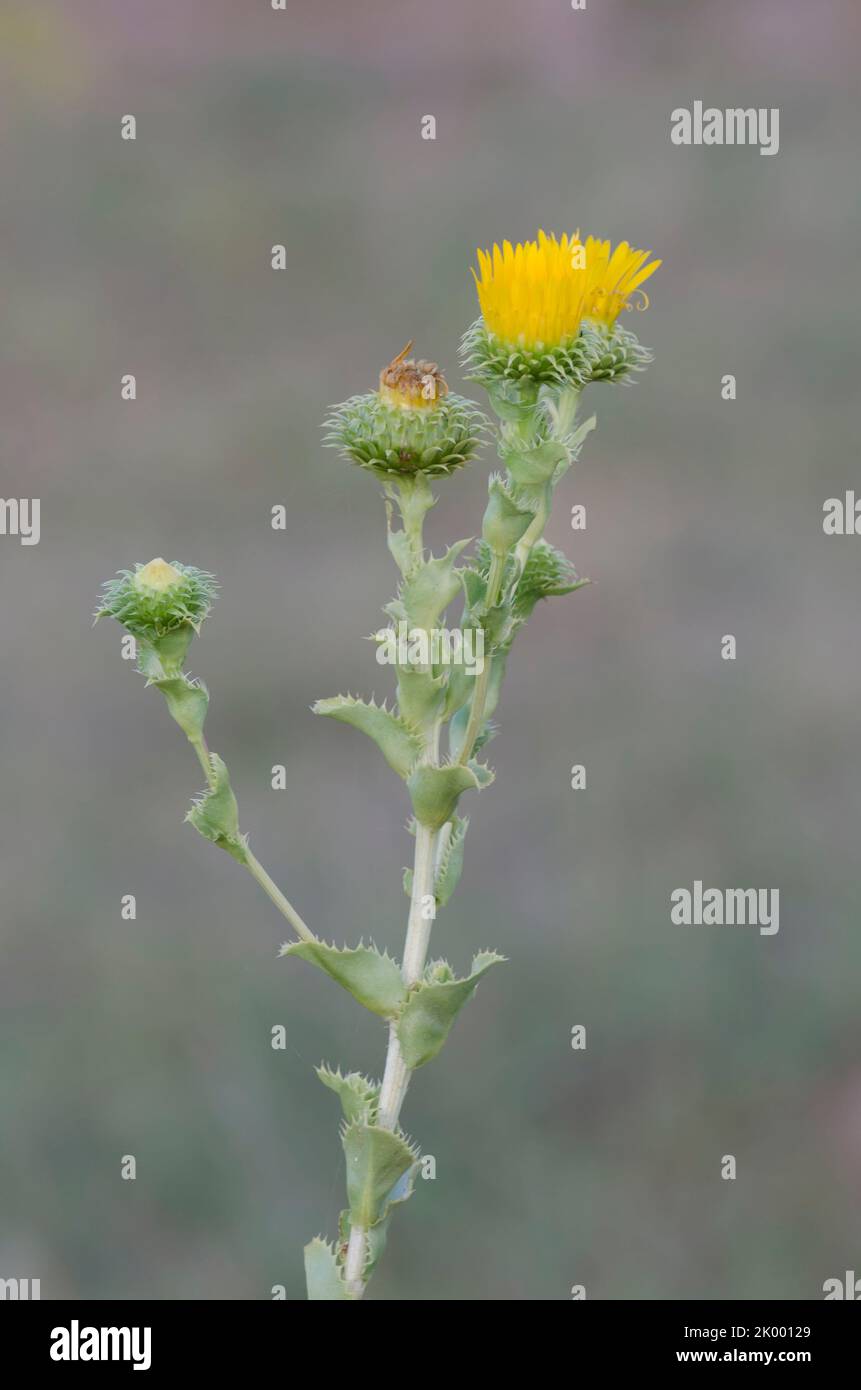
(411, 424)
(549, 306)
(159, 598)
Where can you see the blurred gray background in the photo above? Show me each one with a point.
(152, 1037)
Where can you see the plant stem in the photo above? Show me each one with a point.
(200, 748)
(283, 904)
(354, 1264)
(396, 1075)
(252, 864)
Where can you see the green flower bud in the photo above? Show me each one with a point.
(162, 605)
(411, 425)
(547, 573)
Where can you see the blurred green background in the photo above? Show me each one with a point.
(152, 1037)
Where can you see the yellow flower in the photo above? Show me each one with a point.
(537, 294)
(613, 277)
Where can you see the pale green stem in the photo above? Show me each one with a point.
(284, 906)
(252, 864)
(200, 748)
(396, 1076)
(533, 533)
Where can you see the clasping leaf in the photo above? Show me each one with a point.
(323, 1275)
(426, 1018)
(398, 742)
(215, 815)
(373, 979)
(376, 1160)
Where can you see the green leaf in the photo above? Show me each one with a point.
(514, 401)
(377, 1234)
(504, 522)
(322, 1273)
(574, 443)
(373, 979)
(399, 543)
(358, 1095)
(474, 588)
(398, 742)
(461, 684)
(375, 1240)
(435, 791)
(187, 701)
(426, 1018)
(163, 657)
(428, 592)
(451, 863)
(376, 1160)
(535, 467)
(420, 695)
(215, 815)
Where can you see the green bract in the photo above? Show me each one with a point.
(547, 573)
(159, 598)
(392, 440)
(593, 354)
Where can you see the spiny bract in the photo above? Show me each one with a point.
(156, 599)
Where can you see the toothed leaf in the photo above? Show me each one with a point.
(358, 1095)
(375, 1240)
(162, 657)
(534, 467)
(504, 521)
(451, 863)
(373, 979)
(435, 791)
(399, 744)
(187, 701)
(573, 445)
(474, 587)
(427, 594)
(376, 1160)
(420, 695)
(322, 1275)
(215, 815)
(432, 1007)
